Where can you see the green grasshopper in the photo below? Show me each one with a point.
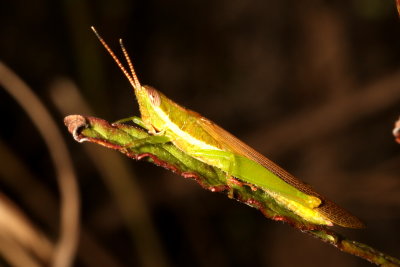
(200, 138)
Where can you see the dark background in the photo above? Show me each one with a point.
(314, 85)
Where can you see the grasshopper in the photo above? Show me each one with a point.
(202, 139)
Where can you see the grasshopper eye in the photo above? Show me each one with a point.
(154, 96)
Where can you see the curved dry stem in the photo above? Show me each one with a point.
(66, 246)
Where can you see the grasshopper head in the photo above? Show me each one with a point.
(149, 99)
(151, 105)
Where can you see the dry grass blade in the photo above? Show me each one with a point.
(398, 6)
(66, 246)
(330, 117)
(30, 247)
(396, 131)
(43, 204)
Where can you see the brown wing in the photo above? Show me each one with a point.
(328, 208)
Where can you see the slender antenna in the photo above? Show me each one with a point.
(128, 60)
(132, 79)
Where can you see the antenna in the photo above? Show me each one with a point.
(128, 60)
(131, 76)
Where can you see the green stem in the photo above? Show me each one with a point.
(120, 136)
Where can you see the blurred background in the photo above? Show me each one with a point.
(313, 85)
